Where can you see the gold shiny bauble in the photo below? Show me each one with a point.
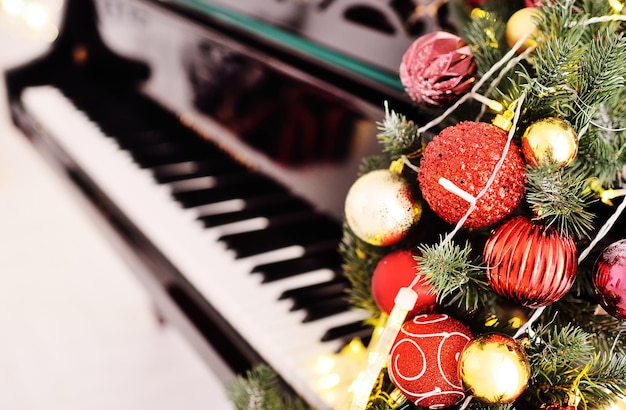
(550, 140)
(522, 23)
(380, 207)
(495, 368)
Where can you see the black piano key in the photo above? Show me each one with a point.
(312, 231)
(311, 295)
(326, 308)
(180, 171)
(348, 331)
(273, 271)
(267, 207)
(165, 153)
(253, 186)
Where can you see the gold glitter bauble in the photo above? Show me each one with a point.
(380, 208)
(522, 23)
(495, 368)
(550, 140)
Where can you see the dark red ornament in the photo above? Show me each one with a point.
(533, 3)
(466, 155)
(609, 279)
(437, 69)
(394, 271)
(424, 360)
(529, 263)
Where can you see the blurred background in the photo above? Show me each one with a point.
(77, 332)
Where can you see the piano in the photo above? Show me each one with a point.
(217, 140)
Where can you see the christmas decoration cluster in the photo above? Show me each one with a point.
(500, 209)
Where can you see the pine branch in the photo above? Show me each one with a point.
(605, 379)
(484, 32)
(448, 269)
(601, 73)
(359, 262)
(560, 199)
(602, 149)
(259, 390)
(398, 135)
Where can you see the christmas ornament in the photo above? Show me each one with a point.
(533, 3)
(466, 155)
(529, 263)
(609, 279)
(380, 207)
(550, 140)
(437, 69)
(396, 270)
(494, 368)
(423, 362)
(522, 23)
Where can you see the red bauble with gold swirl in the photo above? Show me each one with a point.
(530, 263)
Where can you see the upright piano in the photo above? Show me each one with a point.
(217, 140)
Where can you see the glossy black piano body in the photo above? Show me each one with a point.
(277, 126)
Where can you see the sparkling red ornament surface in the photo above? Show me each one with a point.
(466, 154)
(423, 362)
(609, 279)
(437, 69)
(394, 271)
(529, 263)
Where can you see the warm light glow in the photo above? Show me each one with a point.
(33, 18)
(36, 15)
(13, 7)
(324, 364)
(328, 382)
(616, 5)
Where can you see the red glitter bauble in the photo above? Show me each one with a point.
(423, 363)
(529, 263)
(437, 69)
(466, 154)
(394, 271)
(609, 279)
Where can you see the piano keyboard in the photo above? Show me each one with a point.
(263, 258)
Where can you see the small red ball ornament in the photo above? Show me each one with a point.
(437, 69)
(394, 271)
(423, 363)
(529, 263)
(609, 279)
(466, 155)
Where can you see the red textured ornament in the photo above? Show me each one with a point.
(394, 271)
(423, 363)
(466, 155)
(437, 69)
(609, 279)
(529, 263)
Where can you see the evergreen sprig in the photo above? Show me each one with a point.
(398, 135)
(259, 389)
(560, 199)
(359, 261)
(449, 270)
(605, 379)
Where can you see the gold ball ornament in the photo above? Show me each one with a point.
(549, 140)
(380, 207)
(522, 23)
(495, 368)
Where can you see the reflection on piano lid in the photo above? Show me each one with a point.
(222, 159)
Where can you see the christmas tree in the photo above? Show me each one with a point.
(487, 241)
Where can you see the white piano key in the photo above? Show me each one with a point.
(274, 331)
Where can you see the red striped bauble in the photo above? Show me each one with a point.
(529, 263)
